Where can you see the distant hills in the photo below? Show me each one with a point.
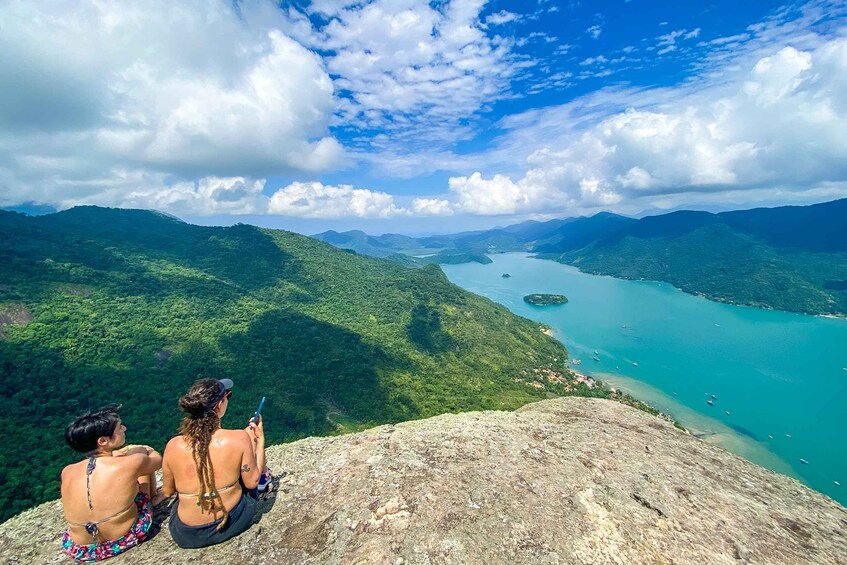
(100, 305)
(790, 258)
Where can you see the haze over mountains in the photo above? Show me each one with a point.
(790, 258)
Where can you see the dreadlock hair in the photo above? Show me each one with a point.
(198, 425)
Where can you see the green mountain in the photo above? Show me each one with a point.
(790, 258)
(100, 305)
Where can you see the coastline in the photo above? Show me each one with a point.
(703, 427)
(717, 299)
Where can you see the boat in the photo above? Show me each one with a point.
(837, 483)
(715, 397)
(804, 462)
(634, 364)
(710, 403)
(770, 437)
(788, 435)
(596, 352)
(596, 358)
(727, 412)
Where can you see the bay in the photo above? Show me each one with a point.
(778, 378)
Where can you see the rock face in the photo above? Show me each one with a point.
(570, 480)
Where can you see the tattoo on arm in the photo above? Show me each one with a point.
(245, 469)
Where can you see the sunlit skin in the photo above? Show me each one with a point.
(116, 480)
(234, 453)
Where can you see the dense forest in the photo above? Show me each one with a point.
(790, 258)
(100, 305)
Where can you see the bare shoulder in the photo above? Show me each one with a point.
(176, 443)
(233, 437)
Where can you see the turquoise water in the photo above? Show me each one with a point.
(777, 374)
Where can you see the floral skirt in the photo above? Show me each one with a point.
(99, 551)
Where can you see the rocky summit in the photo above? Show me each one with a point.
(570, 480)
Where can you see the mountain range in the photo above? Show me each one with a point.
(790, 258)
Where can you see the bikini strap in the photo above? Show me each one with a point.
(209, 494)
(92, 463)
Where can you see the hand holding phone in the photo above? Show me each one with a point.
(258, 415)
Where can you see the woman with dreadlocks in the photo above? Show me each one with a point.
(215, 472)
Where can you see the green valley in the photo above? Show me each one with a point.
(100, 305)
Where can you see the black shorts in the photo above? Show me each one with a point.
(192, 537)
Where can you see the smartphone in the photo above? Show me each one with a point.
(258, 413)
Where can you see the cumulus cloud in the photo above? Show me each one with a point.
(316, 200)
(779, 124)
(108, 91)
(431, 207)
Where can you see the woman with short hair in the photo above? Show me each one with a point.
(214, 471)
(106, 498)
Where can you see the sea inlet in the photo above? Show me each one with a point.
(769, 386)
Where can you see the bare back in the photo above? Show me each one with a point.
(232, 459)
(113, 487)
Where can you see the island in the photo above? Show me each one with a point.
(506, 275)
(545, 299)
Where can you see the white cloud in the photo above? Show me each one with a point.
(315, 200)
(594, 31)
(416, 69)
(780, 123)
(431, 207)
(106, 92)
(501, 17)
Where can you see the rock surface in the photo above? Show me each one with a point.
(571, 480)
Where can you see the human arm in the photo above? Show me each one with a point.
(168, 480)
(253, 457)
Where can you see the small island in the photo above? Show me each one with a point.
(506, 275)
(545, 299)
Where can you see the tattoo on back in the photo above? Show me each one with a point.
(245, 468)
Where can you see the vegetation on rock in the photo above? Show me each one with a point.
(545, 299)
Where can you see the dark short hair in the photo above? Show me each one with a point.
(82, 434)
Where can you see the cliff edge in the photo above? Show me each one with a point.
(570, 480)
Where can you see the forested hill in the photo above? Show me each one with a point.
(100, 305)
(791, 258)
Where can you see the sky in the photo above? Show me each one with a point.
(417, 116)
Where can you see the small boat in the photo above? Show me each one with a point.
(596, 352)
(717, 325)
(710, 403)
(788, 435)
(837, 483)
(715, 397)
(634, 364)
(617, 368)
(770, 437)
(727, 412)
(596, 358)
(804, 462)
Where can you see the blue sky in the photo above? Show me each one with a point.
(416, 116)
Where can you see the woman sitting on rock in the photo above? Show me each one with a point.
(214, 471)
(106, 497)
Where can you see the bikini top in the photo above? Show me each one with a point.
(209, 494)
(91, 527)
